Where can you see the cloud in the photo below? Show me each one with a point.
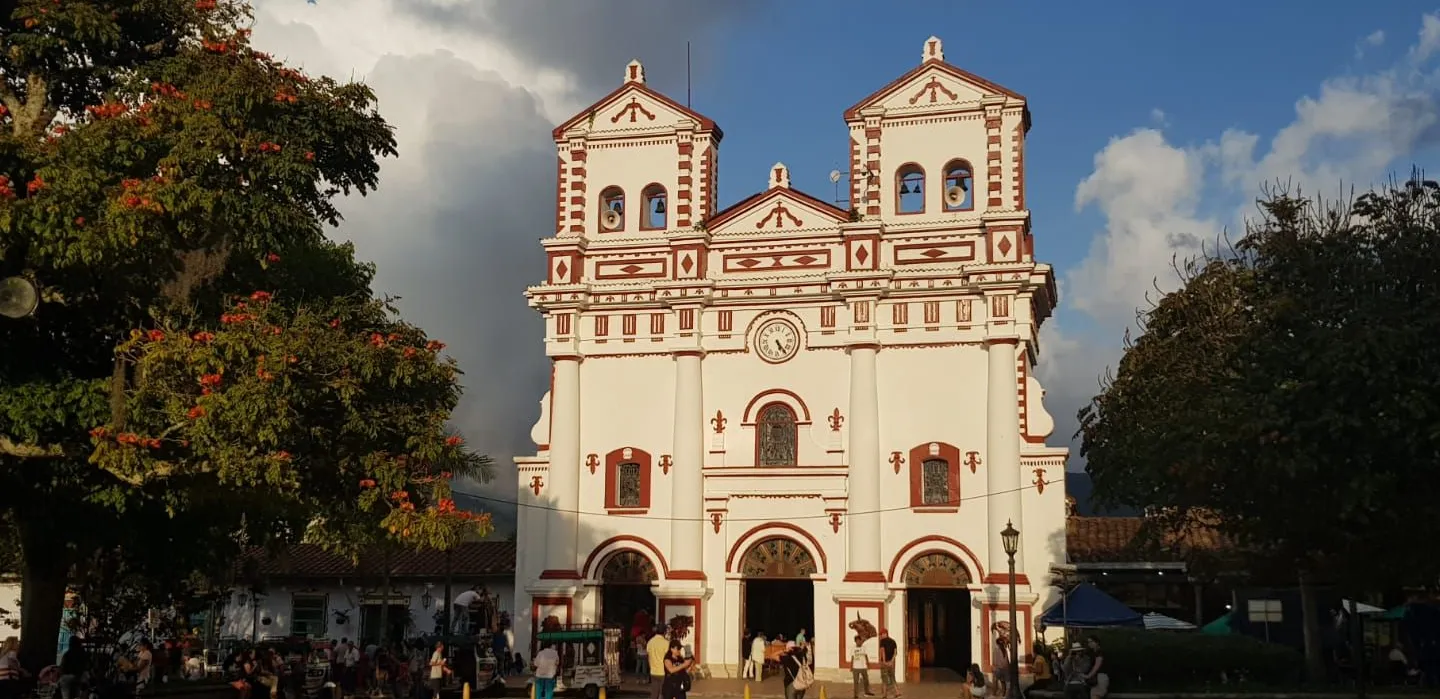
(473, 88)
(1372, 40)
(1161, 201)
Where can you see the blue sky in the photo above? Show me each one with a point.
(1154, 126)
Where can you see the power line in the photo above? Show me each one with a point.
(826, 516)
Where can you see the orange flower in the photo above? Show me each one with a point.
(196, 412)
(156, 335)
(99, 432)
(210, 380)
(434, 345)
(272, 258)
(367, 483)
(204, 337)
(261, 296)
(454, 441)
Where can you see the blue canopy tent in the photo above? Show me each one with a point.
(1086, 607)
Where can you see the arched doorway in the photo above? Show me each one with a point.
(626, 597)
(779, 598)
(937, 610)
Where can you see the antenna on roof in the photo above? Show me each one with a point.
(687, 75)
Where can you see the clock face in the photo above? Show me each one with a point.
(777, 341)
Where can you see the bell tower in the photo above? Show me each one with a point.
(635, 164)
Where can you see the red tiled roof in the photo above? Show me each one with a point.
(1120, 540)
(470, 559)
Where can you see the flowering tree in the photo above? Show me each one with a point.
(156, 172)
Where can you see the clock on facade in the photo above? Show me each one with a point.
(777, 340)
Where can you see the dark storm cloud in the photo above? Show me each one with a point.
(593, 40)
(454, 230)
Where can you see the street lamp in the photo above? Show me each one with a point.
(19, 297)
(1010, 537)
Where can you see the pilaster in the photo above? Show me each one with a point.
(687, 526)
(562, 492)
(863, 527)
(1002, 446)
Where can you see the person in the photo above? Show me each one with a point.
(800, 637)
(860, 669)
(655, 652)
(194, 666)
(245, 674)
(73, 665)
(795, 671)
(1000, 659)
(1097, 679)
(974, 687)
(547, 668)
(12, 673)
(1076, 670)
(1040, 668)
(437, 669)
(755, 666)
(144, 665)
(888, 654)
(677, 672)
(642, 659)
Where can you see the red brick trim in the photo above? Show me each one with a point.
(904, 556)
(643, 546)
(773, 529)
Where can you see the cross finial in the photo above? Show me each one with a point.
(635, 73)
(934, 50)
(779, 176)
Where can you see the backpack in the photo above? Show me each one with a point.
(805, 677)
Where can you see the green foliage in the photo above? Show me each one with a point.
(1287, 394)
(1139, 661)
(153, 169)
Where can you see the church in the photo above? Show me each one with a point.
(789, 414)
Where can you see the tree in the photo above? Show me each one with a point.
(1286, 395)
(155, 170)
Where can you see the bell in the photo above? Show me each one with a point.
(659, 206)
(904, 188)
(916, 189)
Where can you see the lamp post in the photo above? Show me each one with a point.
(1011, 539)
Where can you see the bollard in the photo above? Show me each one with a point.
(747, 690)
(532, 689)
(602, 693)
(465, 691)
(822, 691)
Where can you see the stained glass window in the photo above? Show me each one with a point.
(777, 557)
(627, 485)
(777, 434)
(935, 482)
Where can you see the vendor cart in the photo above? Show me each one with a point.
(589, 657)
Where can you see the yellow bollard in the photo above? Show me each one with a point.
(602, 693)
(532, 689)
(822, 691)
(747, 690)
(465, 691)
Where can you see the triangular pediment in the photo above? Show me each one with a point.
(776, 211)
(634, 107)
(935, 84)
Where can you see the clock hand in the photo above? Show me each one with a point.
(779, 347)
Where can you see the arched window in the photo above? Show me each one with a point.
(627, 481)
(959, 175)
(935, 477)
(776, 436)
(612, 199)
(656, 207)
(910, 189)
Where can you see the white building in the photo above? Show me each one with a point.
(309, 592)
(784, 414)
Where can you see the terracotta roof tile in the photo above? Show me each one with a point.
(470, 559)
(1120, 540)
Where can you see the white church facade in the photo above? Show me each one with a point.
(790, 414)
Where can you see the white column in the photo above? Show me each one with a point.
(562, 491)
(687, 526)
(1002, 447)
(864, 476)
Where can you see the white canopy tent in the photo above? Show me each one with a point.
(1159, 622)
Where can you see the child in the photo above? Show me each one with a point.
(860, 669)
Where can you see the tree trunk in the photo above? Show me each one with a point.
(44, 576)
(1310, 619)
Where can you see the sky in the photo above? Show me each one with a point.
(1156, 125)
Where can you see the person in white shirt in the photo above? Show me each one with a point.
(437, 669)
(460, 610)
(755, 666)
(547, 667)
(860, 669)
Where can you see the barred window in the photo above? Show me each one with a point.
(935, 482)
(627, 485)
